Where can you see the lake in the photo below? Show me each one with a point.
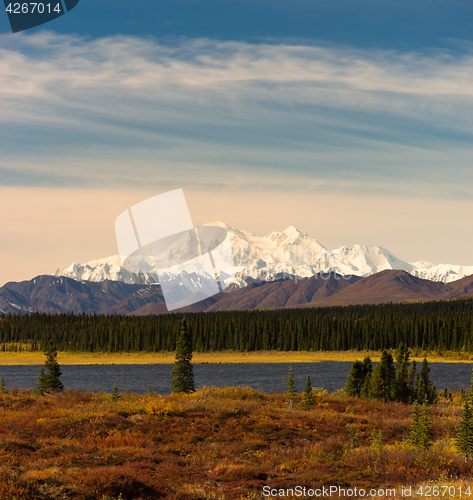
(267, 377)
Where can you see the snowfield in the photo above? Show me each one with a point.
(289, 253)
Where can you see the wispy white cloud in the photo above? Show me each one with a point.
(127, 110)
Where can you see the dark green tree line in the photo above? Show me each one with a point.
(391, 381)
(439, 326)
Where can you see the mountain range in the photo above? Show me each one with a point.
(289, 253)
(52, 294)
(280, 270)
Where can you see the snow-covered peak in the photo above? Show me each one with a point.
(446, 273)
(289, 252)
(296, 247)
(290, 234)
(422, 264)
(102, 270)
(73, 267)
(369, 259)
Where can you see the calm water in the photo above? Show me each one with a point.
(268, 377)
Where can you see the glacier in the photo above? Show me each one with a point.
(285, 254)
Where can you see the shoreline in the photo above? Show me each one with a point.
(64, 358)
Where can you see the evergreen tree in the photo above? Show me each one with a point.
(308, 400)
(464, 440)
(412, 381)
(183, 372)
(401, 388)
(52, 370)
(115, 394)
(415, 436)
(41, 386)
(367, 368)
(427, 437)
(416, 385)
(421, 428)
(471, 388)
(365, 390)
(290, 388)
(425, 389)
(383, 379)
(3, 388)
(355, 379)
(367, 372)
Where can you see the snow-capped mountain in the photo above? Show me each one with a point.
(104, 269)
(288, 253)
(445, 273)
(363, 260)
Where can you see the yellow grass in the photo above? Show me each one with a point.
(64, 358)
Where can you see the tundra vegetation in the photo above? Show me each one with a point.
(389, 427)
(224, 443)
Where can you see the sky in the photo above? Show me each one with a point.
(350, 120)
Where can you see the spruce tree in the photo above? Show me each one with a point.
(401, 389)
(3, 388)
(427, 437)
(308, 400)
(471, 388)
(290, 388)
(367, 372)
(355, 380)
(382, 380)
(415, 436)
(464, 440)
(367, 368)
(412, 377)
(416, 385)
(115, 394)
(425, 389)
(41, 386)
(52, 370)
(183, 372)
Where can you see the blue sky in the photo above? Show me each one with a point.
(363, 23)
(350, 120)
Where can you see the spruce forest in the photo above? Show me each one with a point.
(433, 326)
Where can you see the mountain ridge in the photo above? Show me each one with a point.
(289, 252)
(55, 295)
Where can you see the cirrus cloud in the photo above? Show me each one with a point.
(135, 111)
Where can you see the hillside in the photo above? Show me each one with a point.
(64, 295)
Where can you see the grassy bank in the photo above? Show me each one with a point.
(65, 358)
(216, 444)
